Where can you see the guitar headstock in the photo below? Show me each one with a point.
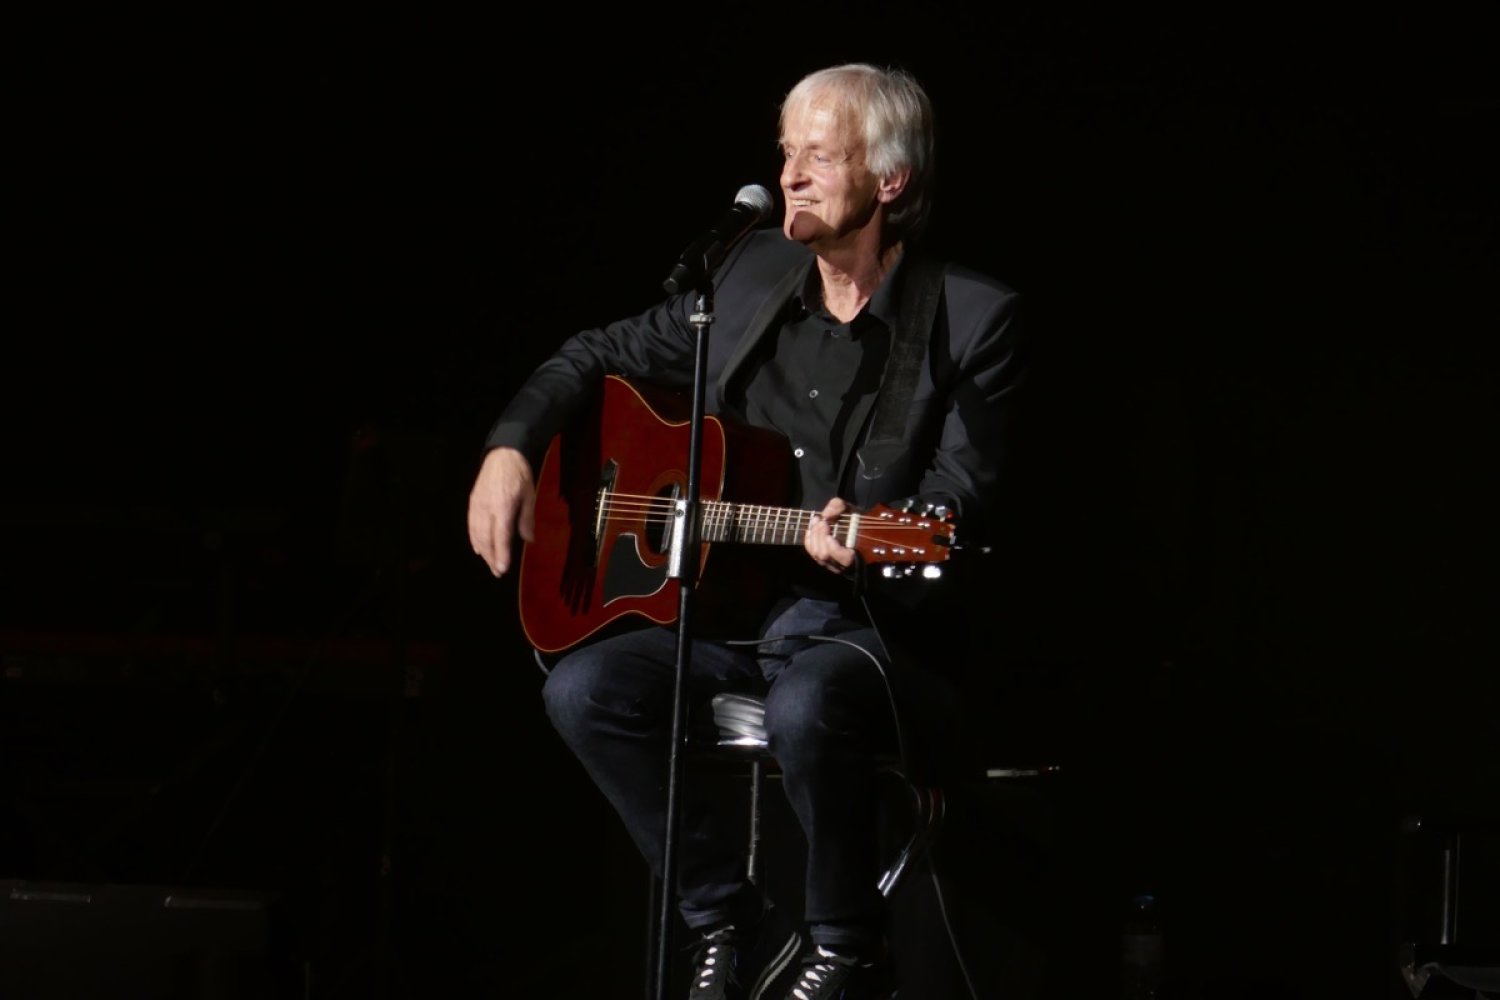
(902, 541)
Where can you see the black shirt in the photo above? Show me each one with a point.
(816, 371)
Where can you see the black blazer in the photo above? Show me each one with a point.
(956, 422)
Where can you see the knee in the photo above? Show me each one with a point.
(590, 692)
(824, 713)
(801, 719)
(572, 694)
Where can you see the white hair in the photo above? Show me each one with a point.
(893, 112)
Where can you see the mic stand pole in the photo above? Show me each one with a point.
(685, 557)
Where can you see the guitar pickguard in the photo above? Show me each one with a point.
(626, 573)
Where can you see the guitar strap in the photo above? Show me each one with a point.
(921, 291)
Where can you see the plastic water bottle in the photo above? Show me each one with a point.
(1142, 950)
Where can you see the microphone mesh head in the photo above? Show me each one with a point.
(756, 197)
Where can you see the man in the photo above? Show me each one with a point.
(808, 323)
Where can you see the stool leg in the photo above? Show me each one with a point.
(928, 809)
(752, 859)
(1448, 931)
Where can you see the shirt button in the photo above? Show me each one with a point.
(812, 394)
(797, 452)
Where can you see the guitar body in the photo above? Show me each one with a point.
(585, 573)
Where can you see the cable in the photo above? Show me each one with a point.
(963, 967)
(958, 955)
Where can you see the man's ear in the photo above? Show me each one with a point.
(891, 187)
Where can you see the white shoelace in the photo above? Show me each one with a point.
(812, 976)
(708, 967)
(707, 970)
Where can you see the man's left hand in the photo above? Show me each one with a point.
(821, 544)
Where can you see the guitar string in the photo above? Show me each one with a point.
(870, 529)
(723, 510)
(720, 510)
(747, 519)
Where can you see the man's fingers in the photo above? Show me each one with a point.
(821, 542)
(500, 505)
(501, 549)
(526, 523)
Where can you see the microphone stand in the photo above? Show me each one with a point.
(684, 560)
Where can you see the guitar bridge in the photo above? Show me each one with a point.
(601, 504)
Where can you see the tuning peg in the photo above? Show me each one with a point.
(923, 505)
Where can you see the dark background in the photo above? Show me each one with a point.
(275, 278)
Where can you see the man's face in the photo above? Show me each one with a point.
(831, 195)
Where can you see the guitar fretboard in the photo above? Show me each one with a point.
(760, 525)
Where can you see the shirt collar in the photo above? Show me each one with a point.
(883, 305)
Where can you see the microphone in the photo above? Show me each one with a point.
(703, 257)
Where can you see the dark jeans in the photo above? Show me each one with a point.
(827, 713)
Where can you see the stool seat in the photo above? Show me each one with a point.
(740, 721)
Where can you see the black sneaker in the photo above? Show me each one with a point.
(730, 965)
(826, 975)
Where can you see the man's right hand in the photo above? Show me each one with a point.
(501, 504)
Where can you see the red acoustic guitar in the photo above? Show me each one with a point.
(607, 505)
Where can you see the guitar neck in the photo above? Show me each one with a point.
(756, 524)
